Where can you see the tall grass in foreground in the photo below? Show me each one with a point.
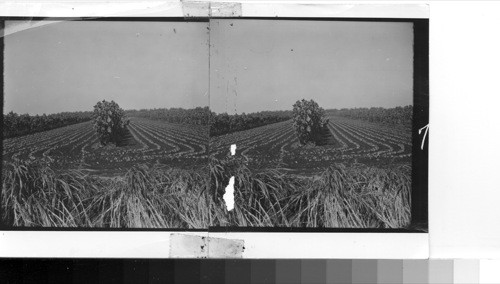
(161, 197)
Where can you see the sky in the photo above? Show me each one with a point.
(70, 66)
(258, 65)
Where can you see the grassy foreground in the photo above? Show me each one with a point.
(34, 195)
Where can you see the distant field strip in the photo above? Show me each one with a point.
(272, 136)
(75, 144)
(162, 142)
(351, 139)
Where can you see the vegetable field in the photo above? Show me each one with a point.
(160, 175)
(147, 141)
(345, 140)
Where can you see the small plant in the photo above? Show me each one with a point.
(109, 121)
(308, 121)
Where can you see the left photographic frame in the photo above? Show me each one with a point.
(105, 123)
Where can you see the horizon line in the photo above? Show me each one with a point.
(240, 113)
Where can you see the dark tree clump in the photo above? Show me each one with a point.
(308, 121)
(109, 121)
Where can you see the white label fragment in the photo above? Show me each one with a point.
(233, 149)
(193, 246)
(188, 246)
(195, 9)
(225, 9)
(225, 248)
(229, 195)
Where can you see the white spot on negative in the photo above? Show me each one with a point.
(233, 149)
(229, 195)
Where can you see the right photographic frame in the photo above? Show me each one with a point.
(319, 124)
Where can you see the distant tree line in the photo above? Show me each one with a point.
(197, 116)
(219, 123)
(18, 125)
(389, 116)
(224, 123)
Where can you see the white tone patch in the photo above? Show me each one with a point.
(229, 194)
(233, 149)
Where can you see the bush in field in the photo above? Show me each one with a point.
(109, 121)
(308, 121)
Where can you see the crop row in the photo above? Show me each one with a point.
(161, 142)
(350, 139)
(257, 139)
(153, 141)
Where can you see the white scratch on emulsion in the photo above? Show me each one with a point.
(229, 195)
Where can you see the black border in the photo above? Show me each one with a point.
(420, 157)
(419, 195)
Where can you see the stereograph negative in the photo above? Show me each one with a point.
(143, 124)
